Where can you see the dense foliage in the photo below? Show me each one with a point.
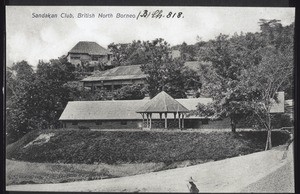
(35, 100)
(164, 72)
(246, 72)
(85, 146)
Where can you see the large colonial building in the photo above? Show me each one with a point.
(162, 111)
(89, 53)
(115, 78)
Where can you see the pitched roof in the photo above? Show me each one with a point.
(162, 102)
(115, 110)
(118, 73)
(102, 110)
(91, 48)
(127, 72)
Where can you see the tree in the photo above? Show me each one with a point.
(48, 94)
(222, 78)
(164, 73)
(39, 97)
(128, 54)
(272, 74)
(247, 71)
(187, 52)
(231, 57)
(130, 92)
(119, 51)
(19, 78)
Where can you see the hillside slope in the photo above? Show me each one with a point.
(92, 147)
(231, 175)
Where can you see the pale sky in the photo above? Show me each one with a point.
(34, 39)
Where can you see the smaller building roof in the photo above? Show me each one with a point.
(162, 103)
(91, 48)
(118, 73)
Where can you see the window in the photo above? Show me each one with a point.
(98, 123)
(75, 57)
(75, 123)
(123, 122)
(108, 57)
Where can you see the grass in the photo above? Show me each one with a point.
(74, 155)
(113, 147)
(30, 173)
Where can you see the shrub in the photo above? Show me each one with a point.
(281, 120)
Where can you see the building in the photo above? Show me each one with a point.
(162, 111)
(90, 54)
(132, 114)
(278, 106)
(115, 78)
(289, 108)
(163, 104)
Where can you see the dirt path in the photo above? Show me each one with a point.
(229, 175)
(280, 180)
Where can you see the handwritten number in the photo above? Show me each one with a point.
(179, 14)
(169, 14)
(158, 14)
(145, 13)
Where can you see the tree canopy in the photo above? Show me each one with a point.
(247, 71)
(36, 99)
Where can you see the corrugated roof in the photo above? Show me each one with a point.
(91, 48)
(162, 102)
(102, 110)
(118, 73)
(130, 72)
(115, 110)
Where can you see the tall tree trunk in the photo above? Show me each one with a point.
(233, 125)
(269, 140)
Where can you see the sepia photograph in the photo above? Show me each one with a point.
(161, 99)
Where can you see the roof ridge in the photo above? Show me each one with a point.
(87, 41)
(165, 102)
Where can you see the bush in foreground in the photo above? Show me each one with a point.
(85, 146)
